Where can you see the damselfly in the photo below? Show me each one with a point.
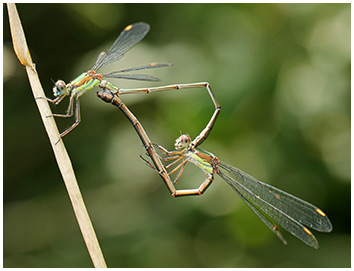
(109, 97)
(266, 201)
(292, 213)
(129, 37)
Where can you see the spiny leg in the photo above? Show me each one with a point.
(77, 119)
(147, 162)
(174, 162)
(182, 192)
(69, 111)
(171, 158)
(180, 165)
(180, 172)
(168, 153)
(169, 165)
(55, 101)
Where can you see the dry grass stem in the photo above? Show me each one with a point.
(61, 155)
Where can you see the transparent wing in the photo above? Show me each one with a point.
(143, 67)
(129, 37)
(265, 220)
(99, 57)
(289, 211)
(302, 211)
(141, 77)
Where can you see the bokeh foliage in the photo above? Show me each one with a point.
(282, 75)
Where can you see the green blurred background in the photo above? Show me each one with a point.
(282, 75)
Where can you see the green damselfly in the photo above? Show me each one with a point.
(130, 36)
(266, 201)
(109, 97)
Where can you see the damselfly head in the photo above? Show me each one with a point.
(60, 88)
(182, 142)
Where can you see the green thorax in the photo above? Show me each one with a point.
(202, 159)
(85, 82)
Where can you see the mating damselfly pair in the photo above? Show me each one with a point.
(267, 202)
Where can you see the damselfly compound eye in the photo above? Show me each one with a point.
(182, 142)
(185, 139)
(59, 88)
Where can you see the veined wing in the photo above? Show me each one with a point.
(127, 39)
(302, 211)
(265, 220)
(289, 211)
(133, 76)
(144, 77)
(142, 67)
